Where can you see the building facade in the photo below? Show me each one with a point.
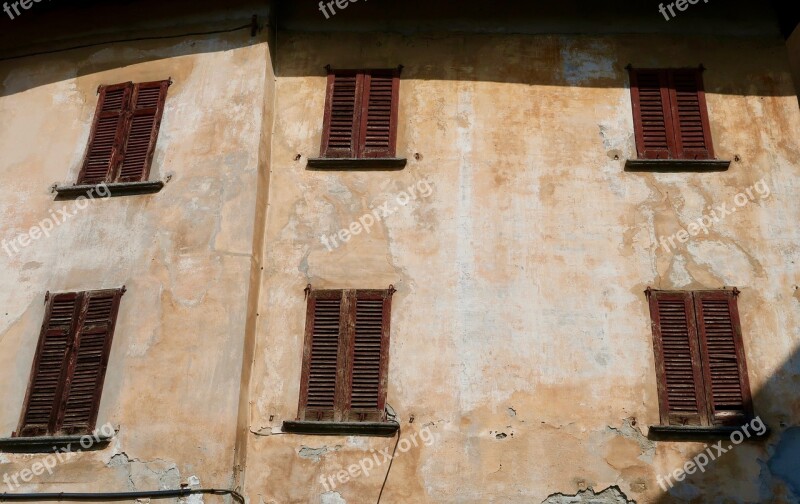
(356, 253)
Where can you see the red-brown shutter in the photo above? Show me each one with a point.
(84, 385)
(723, 357)
(678, 368)
(342, 115)
(690, 113)
(105, 141)
(322, 355)
(142, 130)
(50, 366)
(369, 355)
(379, 114)
(652, 115)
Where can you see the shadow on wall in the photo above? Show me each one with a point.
(62, 36)
(758, 471)
(572, 60)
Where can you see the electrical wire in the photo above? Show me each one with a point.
(159, 37)
(390, 412)
(156, 494)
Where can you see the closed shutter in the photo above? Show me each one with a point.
(105, 142)
(678, 364)
(655, 138)
(369, 355)
(50, 366)
(345, 361)
(723, 357)
(88, 367)
(322, 369)
(692, 137)
(342, 115)
(142, 131)
(68, 371)
(379, 115)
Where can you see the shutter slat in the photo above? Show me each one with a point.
(723, 357)
(323, 367)
(148, 99)
(689, 108)
(367, 350)
(680, 380)
(341, 116)
(49, 366)
(104, 149)
(651, 114)
(378, 115)
(92, 345)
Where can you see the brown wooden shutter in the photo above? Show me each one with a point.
(690, 113)
(342, 114)
(50, 366)
(723, 357)
(105, 141)
(142, 130)
(369, 355)
(378, 133)
(652, 114)
(88, 364)
(321, 359)
(678, 364)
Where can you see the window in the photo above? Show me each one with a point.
(700, 363)
(361, 114)
(70, 364)
(123, 137)
(346, 356)
(670, 115)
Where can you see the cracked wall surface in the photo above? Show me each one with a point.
(520, 328)
(184, 253)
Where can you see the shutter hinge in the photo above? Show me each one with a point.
(46, 296)
(307, 290)
(399, 69)
(123, 290)
(392, 290)
(736, 292)
(328, 68)
(169, 81)
(648, 292)
(629, 67)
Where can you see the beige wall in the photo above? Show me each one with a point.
(184, 254)
(520, 330)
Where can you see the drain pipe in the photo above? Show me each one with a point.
(89, 497)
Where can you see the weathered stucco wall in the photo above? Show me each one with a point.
(185, 254)
(520, 330)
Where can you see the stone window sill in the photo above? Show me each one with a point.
(676, 165)
(111, 189)
(681, 433)
(49, 444)
(379, 429)
(357, 163)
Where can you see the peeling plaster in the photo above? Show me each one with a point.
(611, 495)
(316, 454)
(332, 498)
